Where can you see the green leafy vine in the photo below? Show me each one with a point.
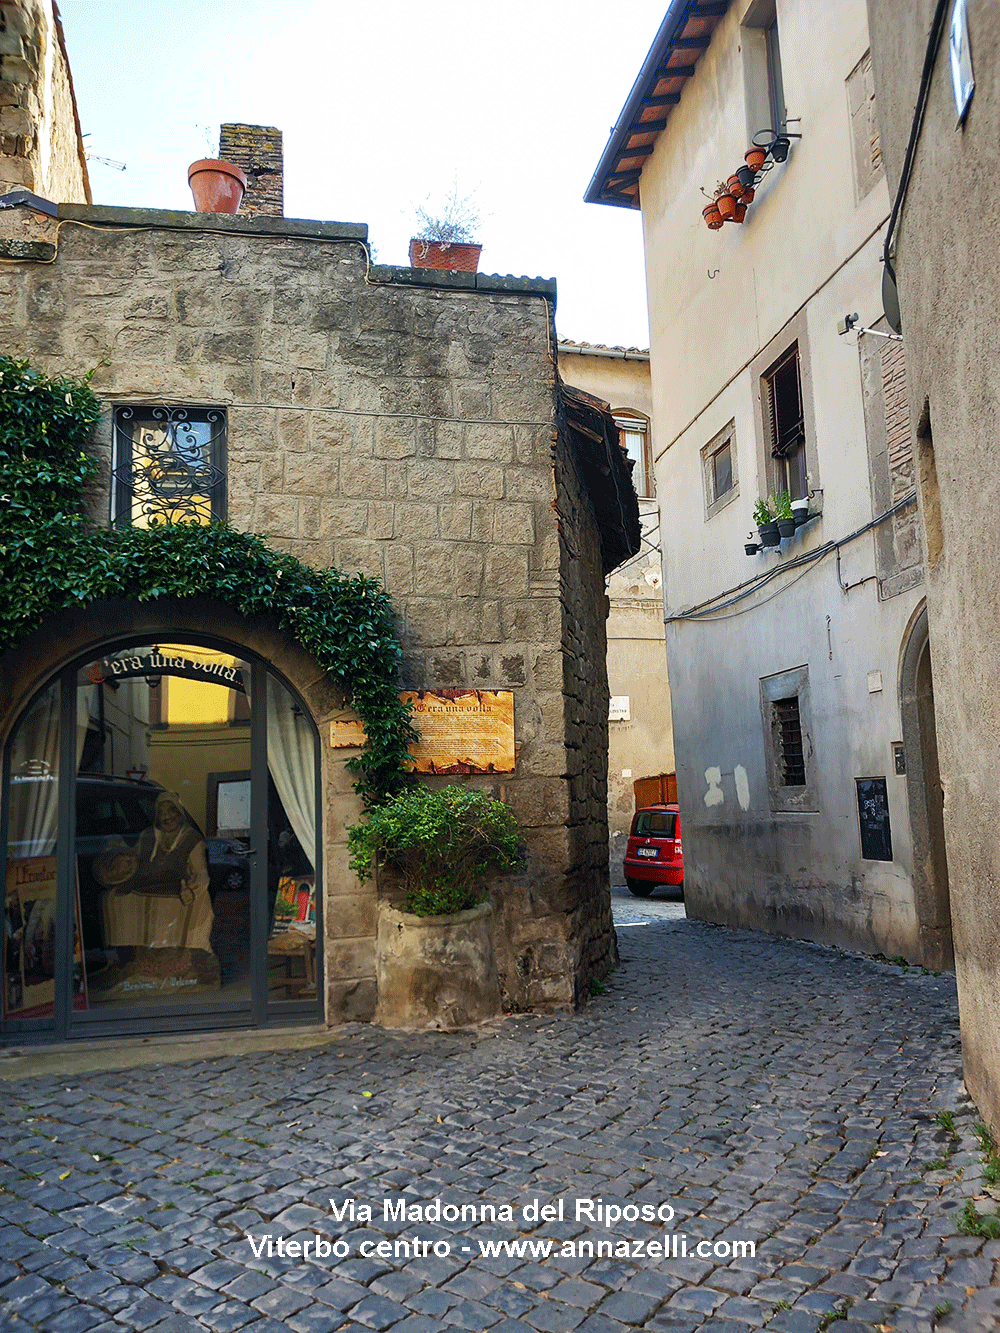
(52, 558)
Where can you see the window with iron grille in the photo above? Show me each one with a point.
(788, 742)
(784, 424)
(790, 762)
(169, 465)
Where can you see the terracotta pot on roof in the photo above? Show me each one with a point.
(460, 255)
(218, 187)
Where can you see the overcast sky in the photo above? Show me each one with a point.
(381, 109)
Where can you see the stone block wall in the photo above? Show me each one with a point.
(40, 145)
(398, 427)
(256, 150)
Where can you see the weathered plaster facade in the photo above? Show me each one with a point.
(818, 626)
(40, 145)
(641, 745)
(949, 285)
(399, 423)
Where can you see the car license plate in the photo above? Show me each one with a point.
(646, 851)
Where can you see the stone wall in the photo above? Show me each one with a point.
(396, 424)
(256, 150)
(949, 283)
(40, 145)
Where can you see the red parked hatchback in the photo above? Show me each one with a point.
(654, 854)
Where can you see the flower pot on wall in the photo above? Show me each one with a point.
(454, 255)
(786, 527)
(745, 177)
(741, 211)
(435, 971)
(218, 187)
(712, 216)
(735, 187)
(769, 534)
(800, 509)
(755, 158)
(727, 206)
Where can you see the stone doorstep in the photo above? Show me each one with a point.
(107, 1054)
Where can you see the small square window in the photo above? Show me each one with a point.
(633, 435)
(718, 459)
(169, 465)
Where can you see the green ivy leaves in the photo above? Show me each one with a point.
(51, 559)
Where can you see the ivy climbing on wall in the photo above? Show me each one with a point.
(52, 558)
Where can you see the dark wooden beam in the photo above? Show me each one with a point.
(647, 126)
(665, 99)
(712, 11)
(643, 150)
(623, 177)
(675, 71)
(691, 43)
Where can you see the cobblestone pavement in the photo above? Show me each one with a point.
(769, 1091)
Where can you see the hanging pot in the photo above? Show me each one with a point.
(748, 197)
(786, 527)
(755, 158)
(735, 187)
(712, 216)
(745, 177)
(741, 211)
(769, 534)
(727, 206)
(751, 548)
(800, 509)
(218, 187)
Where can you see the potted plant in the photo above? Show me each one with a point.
(800, 510)
(783, 515)
(767, 528)
(217, 187)
(446, 239)
(434, 961)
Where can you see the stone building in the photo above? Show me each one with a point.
(402, 423)
(943, 252)
(805, 767)
(640, 738)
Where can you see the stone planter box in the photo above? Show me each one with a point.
(435, 971)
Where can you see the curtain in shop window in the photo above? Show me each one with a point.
(291, 761)
(34, 773)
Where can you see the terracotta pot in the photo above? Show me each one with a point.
(727, 206)
(454, 255)
(741, 211)
(735, 187)
(218, 187)
(712, 216)
(748, 197)
(755, 158)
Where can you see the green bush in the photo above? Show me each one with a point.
(441, 842)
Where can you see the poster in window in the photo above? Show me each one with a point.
(29, 989)
(873, 819)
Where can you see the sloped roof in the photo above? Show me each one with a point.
(683, 35)
(605, 471)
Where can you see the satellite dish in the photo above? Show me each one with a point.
(890, 300)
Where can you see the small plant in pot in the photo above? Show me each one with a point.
(767, 528)
(435, 963)
(783, 516)
(446, 237)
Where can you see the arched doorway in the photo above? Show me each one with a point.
(924, 796)
(163, 859)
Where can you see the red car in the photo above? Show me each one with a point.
(654, 854)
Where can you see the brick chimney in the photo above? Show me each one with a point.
(256, 150)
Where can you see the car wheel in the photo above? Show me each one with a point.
(639, 889)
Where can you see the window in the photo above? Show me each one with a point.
(633, 435)
(784, 424)
(718, 463)
(785, 713)
(169, 465)
(765, 90)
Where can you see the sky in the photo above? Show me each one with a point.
(384, 109)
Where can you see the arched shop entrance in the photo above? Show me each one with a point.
(160, 816)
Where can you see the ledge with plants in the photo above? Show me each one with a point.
(53, 559)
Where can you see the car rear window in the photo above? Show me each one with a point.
(656, 823)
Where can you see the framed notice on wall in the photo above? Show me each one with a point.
(461, 731)
(873, 819)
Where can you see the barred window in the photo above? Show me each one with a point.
(169, 465)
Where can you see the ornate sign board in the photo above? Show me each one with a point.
(165, 664)
(461, 731)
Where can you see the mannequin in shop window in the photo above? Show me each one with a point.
(158, 904)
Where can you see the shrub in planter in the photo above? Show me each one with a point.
(434, 960)
(441, 842)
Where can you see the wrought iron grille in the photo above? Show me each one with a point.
(169, 465)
